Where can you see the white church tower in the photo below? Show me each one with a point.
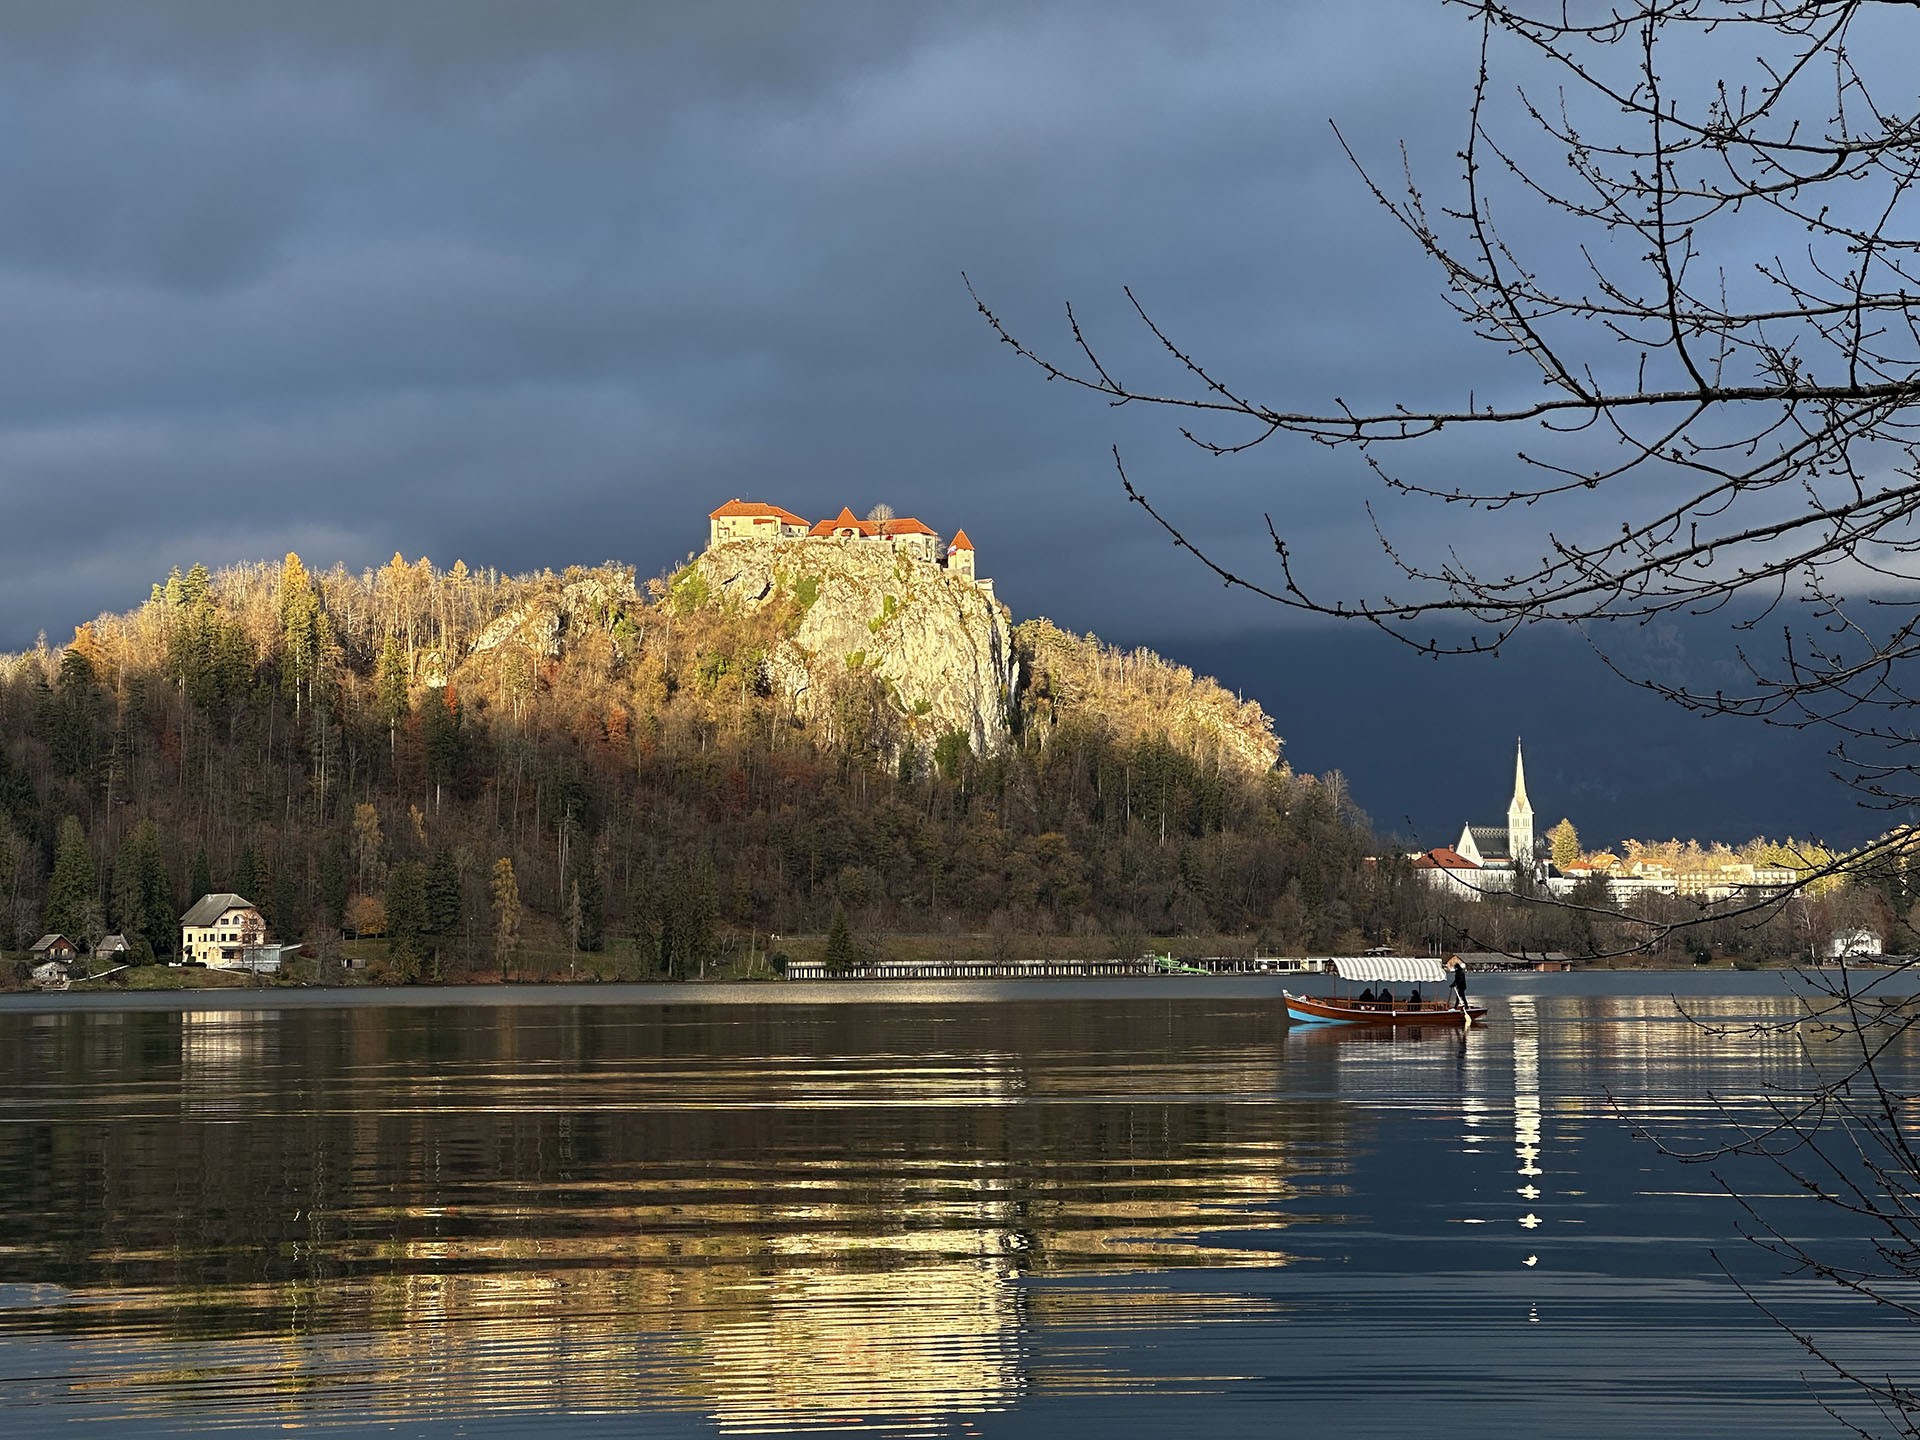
(1520, 815)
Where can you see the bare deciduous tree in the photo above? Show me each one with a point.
(1688, 230)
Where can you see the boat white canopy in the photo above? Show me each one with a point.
(1393, 969)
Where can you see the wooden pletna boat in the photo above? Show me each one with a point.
(1400, 975)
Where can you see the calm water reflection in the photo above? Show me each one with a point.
(1062, 1208)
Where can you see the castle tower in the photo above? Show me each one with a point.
(960, 556)
(1520, 815)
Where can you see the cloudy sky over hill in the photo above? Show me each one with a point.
(531, 285)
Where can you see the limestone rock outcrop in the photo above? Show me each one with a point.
(539, 624)
(941, 647)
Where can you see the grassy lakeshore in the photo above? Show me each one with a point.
(547, 960)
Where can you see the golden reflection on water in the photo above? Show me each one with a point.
(379, 1216)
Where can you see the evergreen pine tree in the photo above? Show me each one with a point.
(140, 899)
(73, 906)
(390, 687)
(200, 882)
(841, 952)
(289, 919)
(407, 934)
(333, 883)
(593, 906)
(246, 874)
(441, 734)
(73, 717)
(443, 897)
(643, 917)
(157, 900)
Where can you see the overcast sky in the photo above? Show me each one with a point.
(538, 284)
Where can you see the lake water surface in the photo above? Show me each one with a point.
(1066, 1208)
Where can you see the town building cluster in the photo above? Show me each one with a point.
(1493, 858)
(758, 520)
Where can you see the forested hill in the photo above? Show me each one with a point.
(671, 761)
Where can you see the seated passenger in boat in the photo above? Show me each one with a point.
(1385, 998)
(1413, 998)
(1366, 997)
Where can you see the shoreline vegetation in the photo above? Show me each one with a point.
(364, 964)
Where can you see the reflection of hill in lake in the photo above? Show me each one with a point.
(753, 1211)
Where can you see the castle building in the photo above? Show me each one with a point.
(905, 533)
(753, 520)
(758, 520)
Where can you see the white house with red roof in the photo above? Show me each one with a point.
(1447, 869)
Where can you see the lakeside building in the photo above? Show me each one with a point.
(219, 928)
(55, 960)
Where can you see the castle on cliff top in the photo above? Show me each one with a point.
(757, 520)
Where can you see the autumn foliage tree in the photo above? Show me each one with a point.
(506, 913)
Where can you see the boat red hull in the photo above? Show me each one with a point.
(1329, 1010)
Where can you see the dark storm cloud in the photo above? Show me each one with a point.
(533, 285)
(530, 284)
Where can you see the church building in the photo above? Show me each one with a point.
(1510, 846)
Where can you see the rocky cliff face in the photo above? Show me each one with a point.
(942, 648)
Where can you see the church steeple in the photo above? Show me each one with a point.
(1520, 813)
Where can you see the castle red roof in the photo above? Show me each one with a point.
(845, 520)
(1444, 857)
(737, 507)
(960, 542)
